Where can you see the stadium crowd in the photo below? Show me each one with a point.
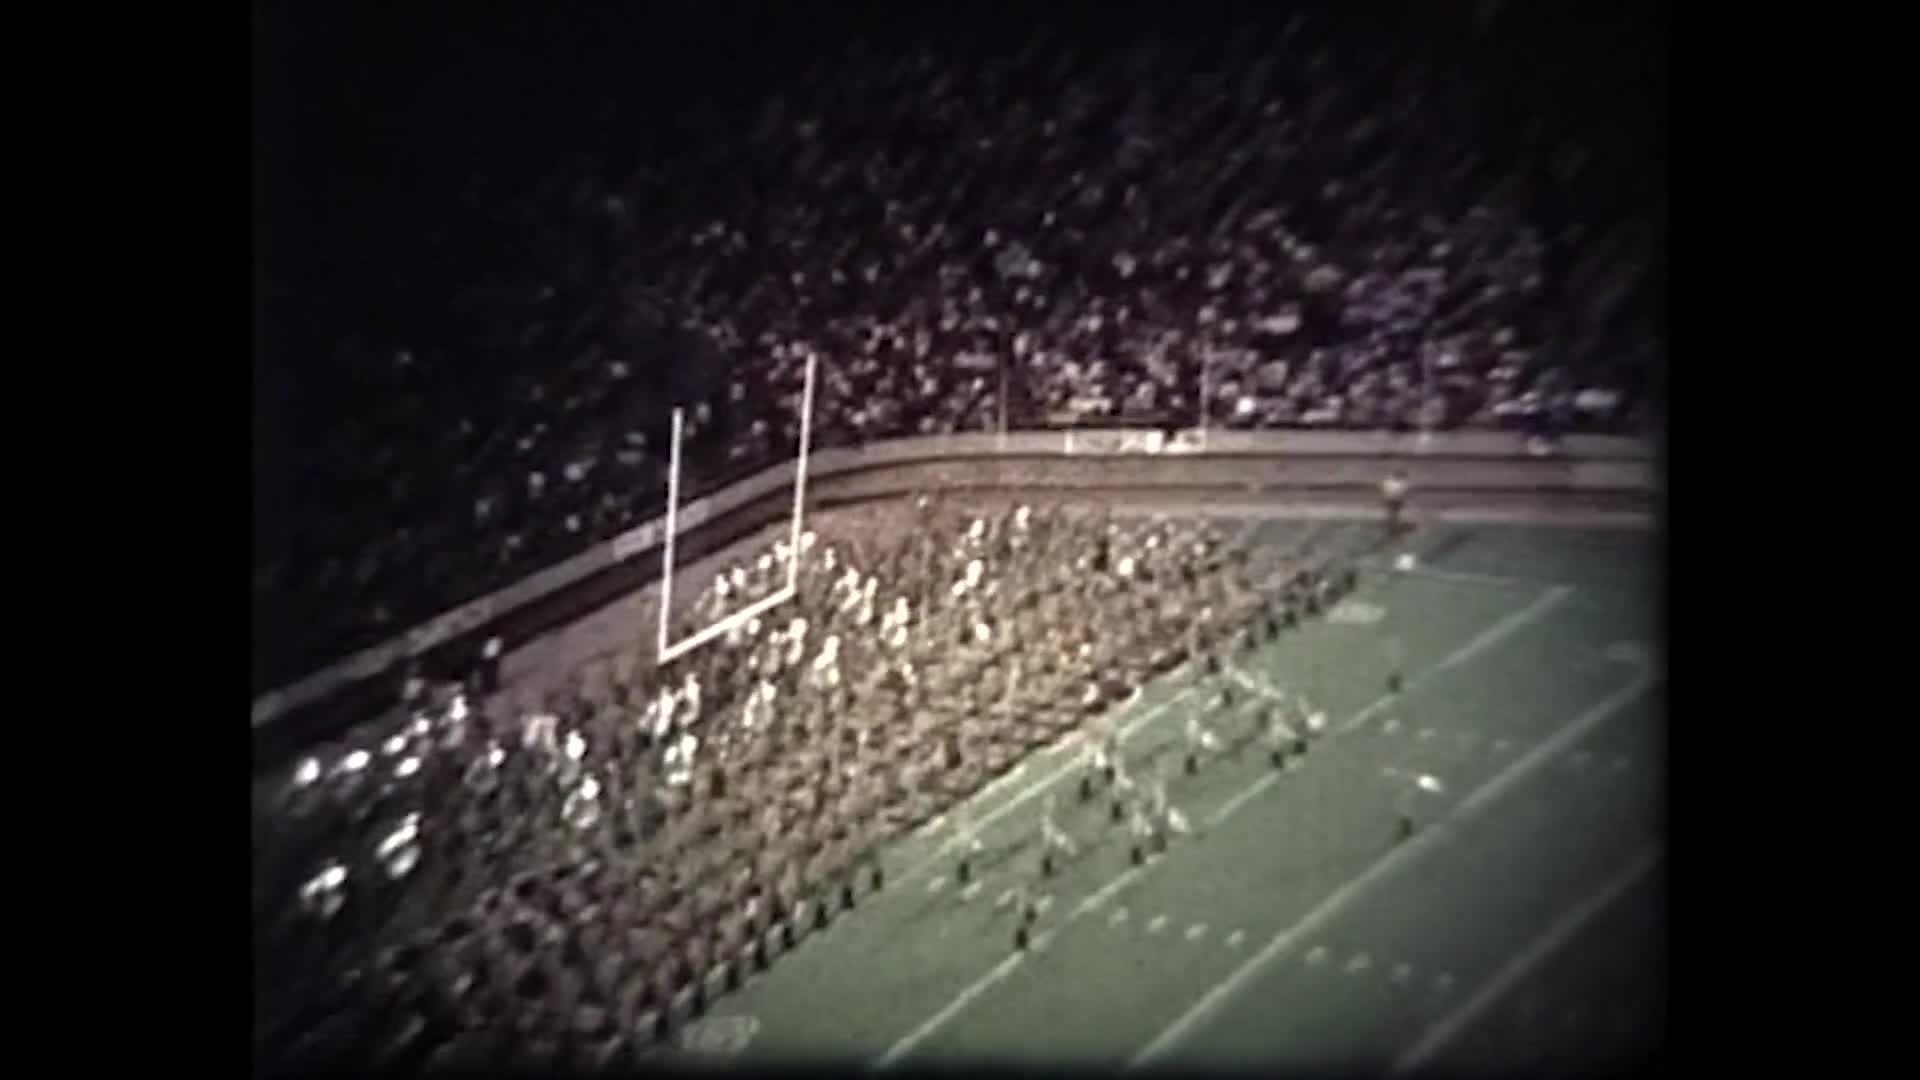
(1303, 223)
(483, 875)
(1282, 223)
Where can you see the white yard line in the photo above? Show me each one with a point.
(1478, 645)
(1487, 639)
(1461, 577)
(1449, 1027)
(1040, 783)
(954, 1008)
(1404, 853)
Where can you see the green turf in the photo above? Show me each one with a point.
(921, 973)
(1595, 1004)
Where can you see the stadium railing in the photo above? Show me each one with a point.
(1464, 461)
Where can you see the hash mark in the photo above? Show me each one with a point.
(1158, 923)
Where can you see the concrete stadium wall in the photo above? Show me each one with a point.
(1279, 466)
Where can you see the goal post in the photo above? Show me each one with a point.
(670, 650)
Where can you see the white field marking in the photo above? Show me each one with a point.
(1316, 955)
(1459, 576)
(1196, 931)
(1041, 783)
(1156, 924)
(1041, 905)
(970, 891)
(1004, 899)
(1501, 746)
(1392, 725)
(1443, 982)
(1000, 971)
(1356, 613)
(1359, 963)
(1234, 939)
(1403, 853)
(1106, 890)
(1248, 683)
(1402, 974)
(1469, 738)
(719, 1036)
(1426, 733)
(1487, 639)
(1627, 652)
(1119, 916)
(937, 883)
(939, 1019)
(1445, 1030)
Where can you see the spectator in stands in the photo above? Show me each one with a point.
(1056, 232)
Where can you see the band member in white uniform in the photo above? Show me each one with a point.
(1055, 844)
(1393, 491)
(1200, 740)
(1279, 736)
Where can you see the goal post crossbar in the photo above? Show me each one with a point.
(728, 623)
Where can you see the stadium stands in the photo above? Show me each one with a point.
(1307, 224)
(1288, 223)
(653, 823)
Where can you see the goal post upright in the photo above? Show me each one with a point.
(669, 650)
(800, 476)
(673, 529)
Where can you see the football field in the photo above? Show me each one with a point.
(1519, 926)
